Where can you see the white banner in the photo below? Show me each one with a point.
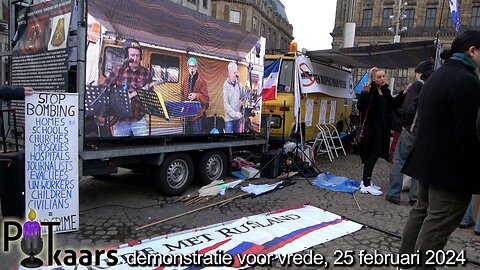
(323, 112)
(236, 244)
(309, 112)
(317, 78)
(51, 158)
(333, 111)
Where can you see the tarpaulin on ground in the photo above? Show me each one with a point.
(336, 183)
(266, 235)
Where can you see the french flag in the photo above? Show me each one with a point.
(270, 80)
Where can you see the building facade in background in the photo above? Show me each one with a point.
(421, 20)
(266, 18)
(3, 38)
(202, 6)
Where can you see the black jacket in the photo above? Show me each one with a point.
(376, 120)
(446, 151)
(11, 92)
(478, 124)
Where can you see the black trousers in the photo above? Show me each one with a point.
(375, 148)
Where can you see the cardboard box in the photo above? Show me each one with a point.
(250, 172)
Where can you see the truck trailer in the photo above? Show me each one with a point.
(138, 112)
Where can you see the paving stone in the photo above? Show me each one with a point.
(105, 226)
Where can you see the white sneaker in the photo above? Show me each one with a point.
(370, 189)
(372, 185)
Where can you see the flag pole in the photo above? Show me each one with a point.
(437, 39)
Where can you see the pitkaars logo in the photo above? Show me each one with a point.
(32, 243)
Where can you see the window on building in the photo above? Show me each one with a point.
(386, 21)
(402, 78)
(409, 19)
(449, 20)
(235, 16)
(165, 67)
(367, 18)
(262, 30)
(254, 23)
(359, 72)
(430, 16)
(205, 3)
(274, 39)
(475, 16)
(113, 57)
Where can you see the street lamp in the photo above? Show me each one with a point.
(397, 19)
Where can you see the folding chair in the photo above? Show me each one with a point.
(321, 144)
(333, 135)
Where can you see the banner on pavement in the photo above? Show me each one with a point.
(236, 244)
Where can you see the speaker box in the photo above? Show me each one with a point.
(274, 168)
(12, 184)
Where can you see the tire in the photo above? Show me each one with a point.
(175, 175)
(212, 166)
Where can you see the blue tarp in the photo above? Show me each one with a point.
(336, 183)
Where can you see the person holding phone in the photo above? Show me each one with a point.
(375, 105)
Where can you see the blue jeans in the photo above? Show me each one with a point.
(404, 146)
(468, 217)
(232, 126)
(125, 128)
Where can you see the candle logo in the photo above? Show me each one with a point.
(32, 243)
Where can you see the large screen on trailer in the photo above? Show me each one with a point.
(156, 68)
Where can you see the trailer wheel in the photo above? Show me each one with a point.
(212, 166)
(175, 175)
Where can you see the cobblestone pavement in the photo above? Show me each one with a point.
(110, 210)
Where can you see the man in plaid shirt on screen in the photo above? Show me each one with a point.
(133, 76)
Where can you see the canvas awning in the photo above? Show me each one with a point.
(168, 24)
(390, 56)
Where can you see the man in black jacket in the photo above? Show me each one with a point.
(14, 92)
(445, 156)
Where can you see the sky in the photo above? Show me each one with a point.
(313, 21)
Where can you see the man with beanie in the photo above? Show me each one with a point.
(194, 88)
(407, 136)
(130, 76)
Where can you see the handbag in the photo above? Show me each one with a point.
(359, 136)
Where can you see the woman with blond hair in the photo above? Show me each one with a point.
(375, 105)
